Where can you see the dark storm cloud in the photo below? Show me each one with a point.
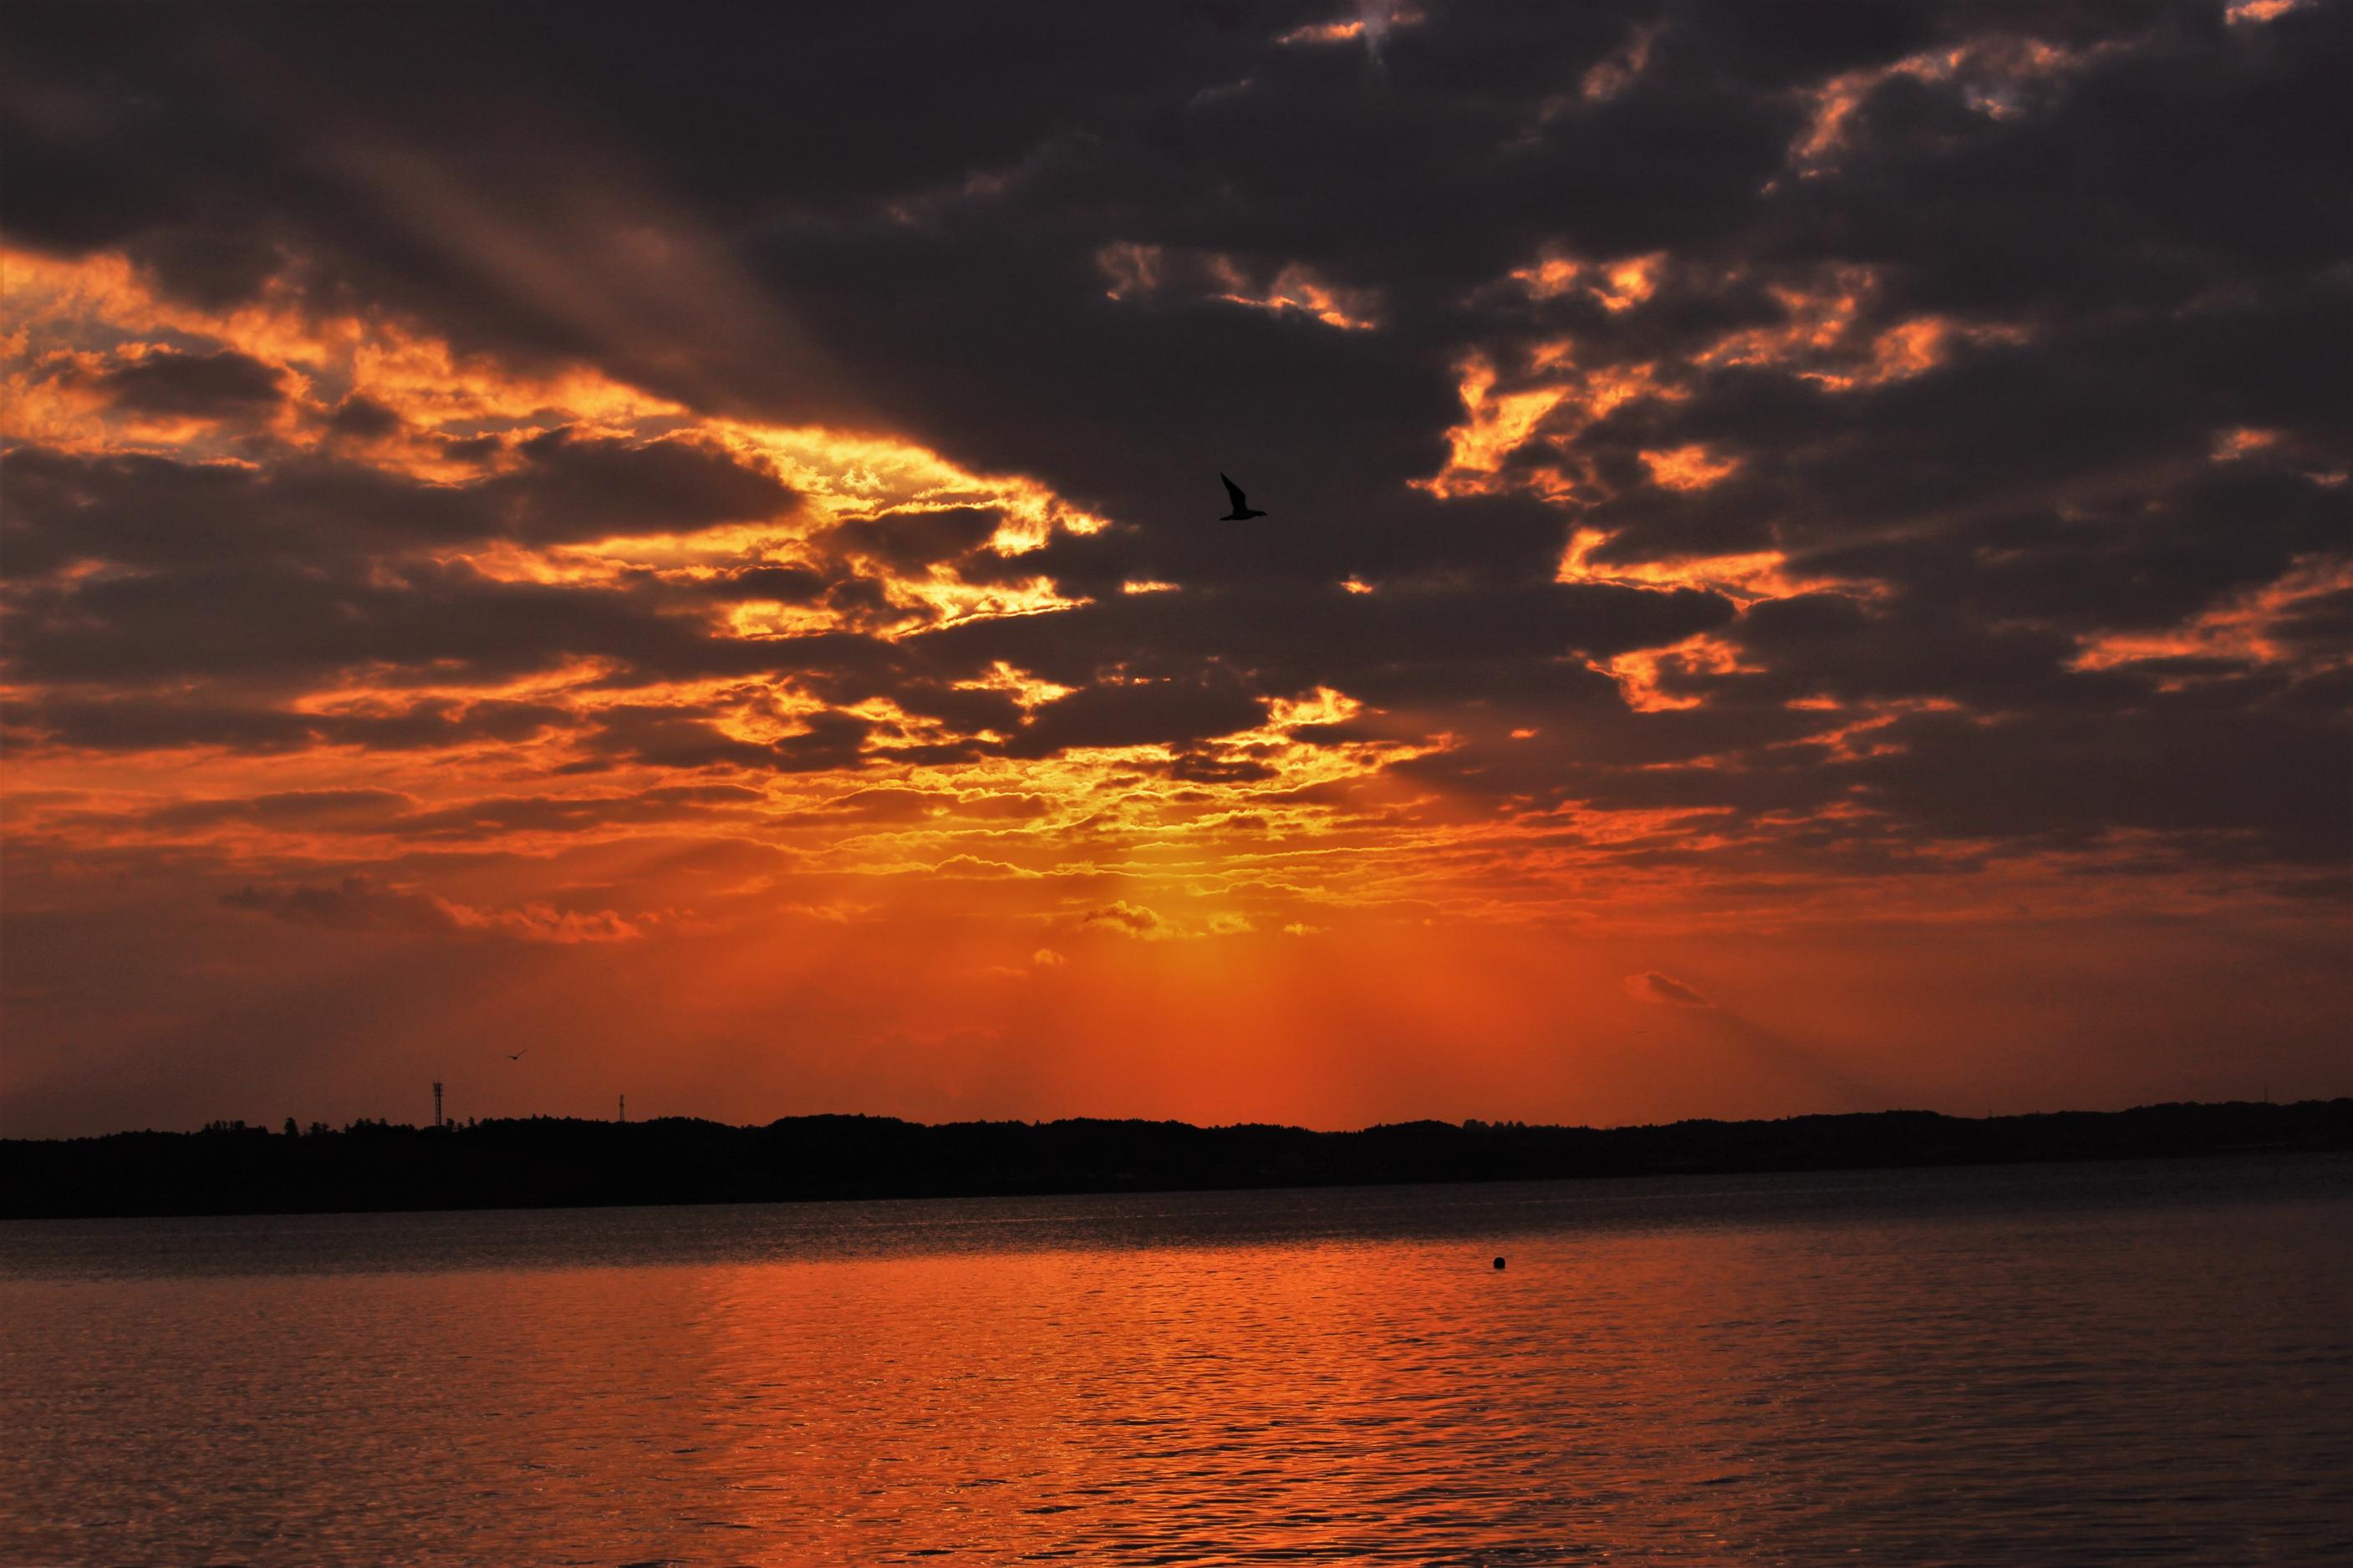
(268, 621)
(581, 487)
(2238, 774)
(684, 736)
(285, 573)
(356, 903)
(206, 387)
(2118, 415)
(1408, 645)
(2126, 222)
(369, 812)
(785, 585)
(241, 721)
(492, 818)
(1664, 989)
(363, 418)
(361, 903)
(302, 808)
(911, 541)
(146, 511)
(1179, 711)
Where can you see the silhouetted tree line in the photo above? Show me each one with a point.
(554, 1162)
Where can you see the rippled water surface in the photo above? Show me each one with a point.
(2105, 1363)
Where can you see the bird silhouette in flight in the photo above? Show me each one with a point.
(1243, 511)
(518, 1056)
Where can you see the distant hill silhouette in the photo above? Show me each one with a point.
(548, 1161)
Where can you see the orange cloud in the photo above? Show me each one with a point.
(1137, 272)
(2246, 628)
(1128, 919)
(1689, 468)
(1993, 73)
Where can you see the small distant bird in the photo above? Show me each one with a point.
(518, 1056)
(1243, 511)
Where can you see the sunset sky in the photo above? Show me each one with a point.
(1808, 563)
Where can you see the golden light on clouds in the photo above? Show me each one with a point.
(733, 609)
(1743, 578)
(1993, 72)
(1137, 273)
(2240, 13)
(1688, 467)
(2246, 628)
(1615, 286)
(1297, 288)
(1495, 425)
(1246, 832)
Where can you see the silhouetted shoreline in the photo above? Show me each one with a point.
(564, 1162)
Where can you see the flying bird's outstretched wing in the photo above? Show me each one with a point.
(1243, 512)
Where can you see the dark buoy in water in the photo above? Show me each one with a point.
(1499, 1263)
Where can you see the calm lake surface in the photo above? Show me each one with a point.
(2031, 1364)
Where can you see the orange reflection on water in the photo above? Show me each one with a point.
(2007, 1365)
(1348, 1401)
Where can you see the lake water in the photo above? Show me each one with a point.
(2031, 1364)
